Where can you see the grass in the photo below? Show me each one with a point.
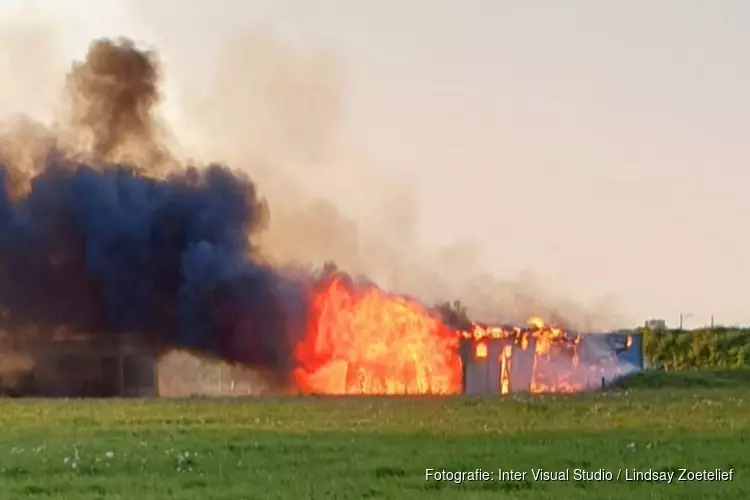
(328, 448)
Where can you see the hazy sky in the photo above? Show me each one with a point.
(599, 145)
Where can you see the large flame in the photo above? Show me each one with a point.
(361, 340)
(364, 341)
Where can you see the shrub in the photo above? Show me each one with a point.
(718, 348)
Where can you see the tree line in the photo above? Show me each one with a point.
(701, 349)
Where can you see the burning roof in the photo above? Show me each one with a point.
(361, 340)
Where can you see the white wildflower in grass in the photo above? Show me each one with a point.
(109, 455)
(74, 460)
(186, 461)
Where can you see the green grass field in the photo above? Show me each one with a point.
(321, 448)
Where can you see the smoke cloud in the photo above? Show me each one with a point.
(102, 231)
(279, 112)
(109, 115)
(110, 249)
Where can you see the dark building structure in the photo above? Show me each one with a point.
(88, 367)
(81, 367)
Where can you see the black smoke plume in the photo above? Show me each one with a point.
(109, 251)
(97, 239)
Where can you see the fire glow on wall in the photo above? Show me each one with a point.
(545, 362)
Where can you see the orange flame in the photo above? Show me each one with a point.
(365, 341)
(481, 350)
(368, 342)
(505, 369)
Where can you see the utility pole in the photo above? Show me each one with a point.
(712, 321)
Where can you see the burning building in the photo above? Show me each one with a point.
(539, 359)
(489, 360)
(108, 236)
(362, 340)
(358, 340)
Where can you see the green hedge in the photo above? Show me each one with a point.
(707, 349)
(708, 379)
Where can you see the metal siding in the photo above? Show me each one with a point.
(634, 355)
(483, 376)
(522, 367)
(494, 348)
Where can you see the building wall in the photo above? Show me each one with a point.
(85, 368)
(482, 375)
(606, 353)
(634, 355)
(182, 374)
